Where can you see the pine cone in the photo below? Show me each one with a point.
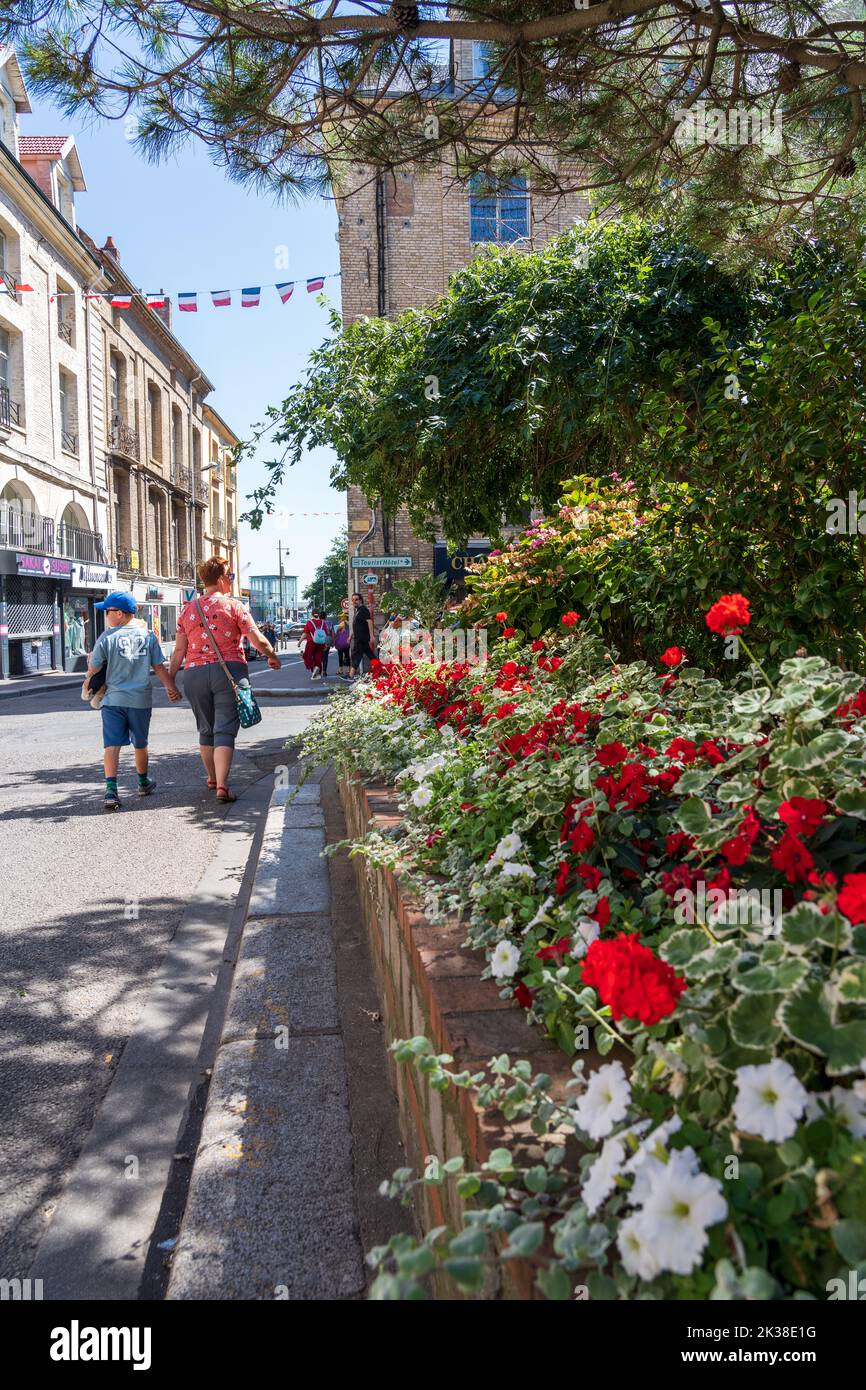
(406, 17)
(789, 76)
(846, 167)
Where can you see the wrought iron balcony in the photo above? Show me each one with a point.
(202, 489)
(218, 527)
(69, 441)
(233, 535)
(65, 331)
(186, 571)
(123, 439)
(182, 479)
(10, 411)
(77, 544)
(23, 530)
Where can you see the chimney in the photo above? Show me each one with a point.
(109, 249)
(165, 313)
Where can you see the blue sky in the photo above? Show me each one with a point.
(184, 225)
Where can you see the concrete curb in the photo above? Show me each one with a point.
(271, 1211)
(50, 684)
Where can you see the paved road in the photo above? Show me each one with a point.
(89, 903)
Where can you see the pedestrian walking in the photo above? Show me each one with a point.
(128, 655)
(209, 628)
(363, 637)
(317, 641)
(342, 642)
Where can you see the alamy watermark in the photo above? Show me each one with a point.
(402, 645)
(717, 125)
(742, 907)
(846, 516)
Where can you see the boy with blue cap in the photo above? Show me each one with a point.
(129, 653)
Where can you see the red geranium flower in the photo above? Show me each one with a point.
(851, 902)
(570, 619)
(503, 711)
(729, 615)
(672, 657)
(611, 754)
(432, 838)
(631, 980)
(803, 814)
(582, 838)
(739, 847)
(601, 914)
(792, 857)
(682, 748)
(502, 617)
(523, 995)
(591, 876)
(711, 751)
(559, 948)
(508, 631)
(562, 878)
(538, 645)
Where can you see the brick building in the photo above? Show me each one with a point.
(221, 520)
(402, 236)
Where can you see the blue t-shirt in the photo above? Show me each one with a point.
(128, 654)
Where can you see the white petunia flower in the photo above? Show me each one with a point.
(421, 797)
(637, 1257)
(587, 932)
(604, 1102)
(512, 870)
(508, 846)
(849, 1102)
(601, 1178)
(650, 1157)
(770, 1100)
(504, 960)
(541, 913)
(680, 1208)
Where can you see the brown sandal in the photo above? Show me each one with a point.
(223, 794)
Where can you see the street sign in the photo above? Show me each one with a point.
(344, 604)
(371, 579)
(381, 562)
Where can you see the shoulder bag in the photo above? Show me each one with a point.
(248, 709)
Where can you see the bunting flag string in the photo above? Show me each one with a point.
(187, 300)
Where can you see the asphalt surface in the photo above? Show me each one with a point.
(88, 905)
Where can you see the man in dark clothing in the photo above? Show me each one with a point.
(363, 637)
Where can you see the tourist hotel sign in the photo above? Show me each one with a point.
(381, 562)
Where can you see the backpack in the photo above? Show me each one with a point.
(320, 636)
(342, 639)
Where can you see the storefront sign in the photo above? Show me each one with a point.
(188, 595)
(94, 577)
(381, 562)
(44, 566)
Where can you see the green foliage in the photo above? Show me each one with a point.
(424, 598)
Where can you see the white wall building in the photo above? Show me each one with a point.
(53, 492)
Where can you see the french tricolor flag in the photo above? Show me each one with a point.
(317, 283)
(121, 301)
(221, 299)
(250, 298)
(286, 291)
(187, 302)
(155, 301)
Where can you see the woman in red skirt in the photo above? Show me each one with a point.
(314, 652)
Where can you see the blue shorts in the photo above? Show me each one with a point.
(123, 724)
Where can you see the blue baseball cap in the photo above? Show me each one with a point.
(119, 599)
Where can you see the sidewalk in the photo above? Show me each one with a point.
(301, 1125)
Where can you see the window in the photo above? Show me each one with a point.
(155, 410)
(481, 59)
(176, 439)
(114, 389)
(4, 358)
(7, 123)
(498, 208)
(64, 201)
(65, 312)
(10, 378)
(68, 412)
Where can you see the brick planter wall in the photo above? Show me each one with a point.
(431, 985)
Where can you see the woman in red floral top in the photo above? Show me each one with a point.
(205, 683)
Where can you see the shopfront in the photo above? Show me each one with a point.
(159, 605)
(31, 599)
(82, 623)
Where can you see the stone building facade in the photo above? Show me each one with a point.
(106, 452)
(53, 476)
(221, 519)
(402, 236)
